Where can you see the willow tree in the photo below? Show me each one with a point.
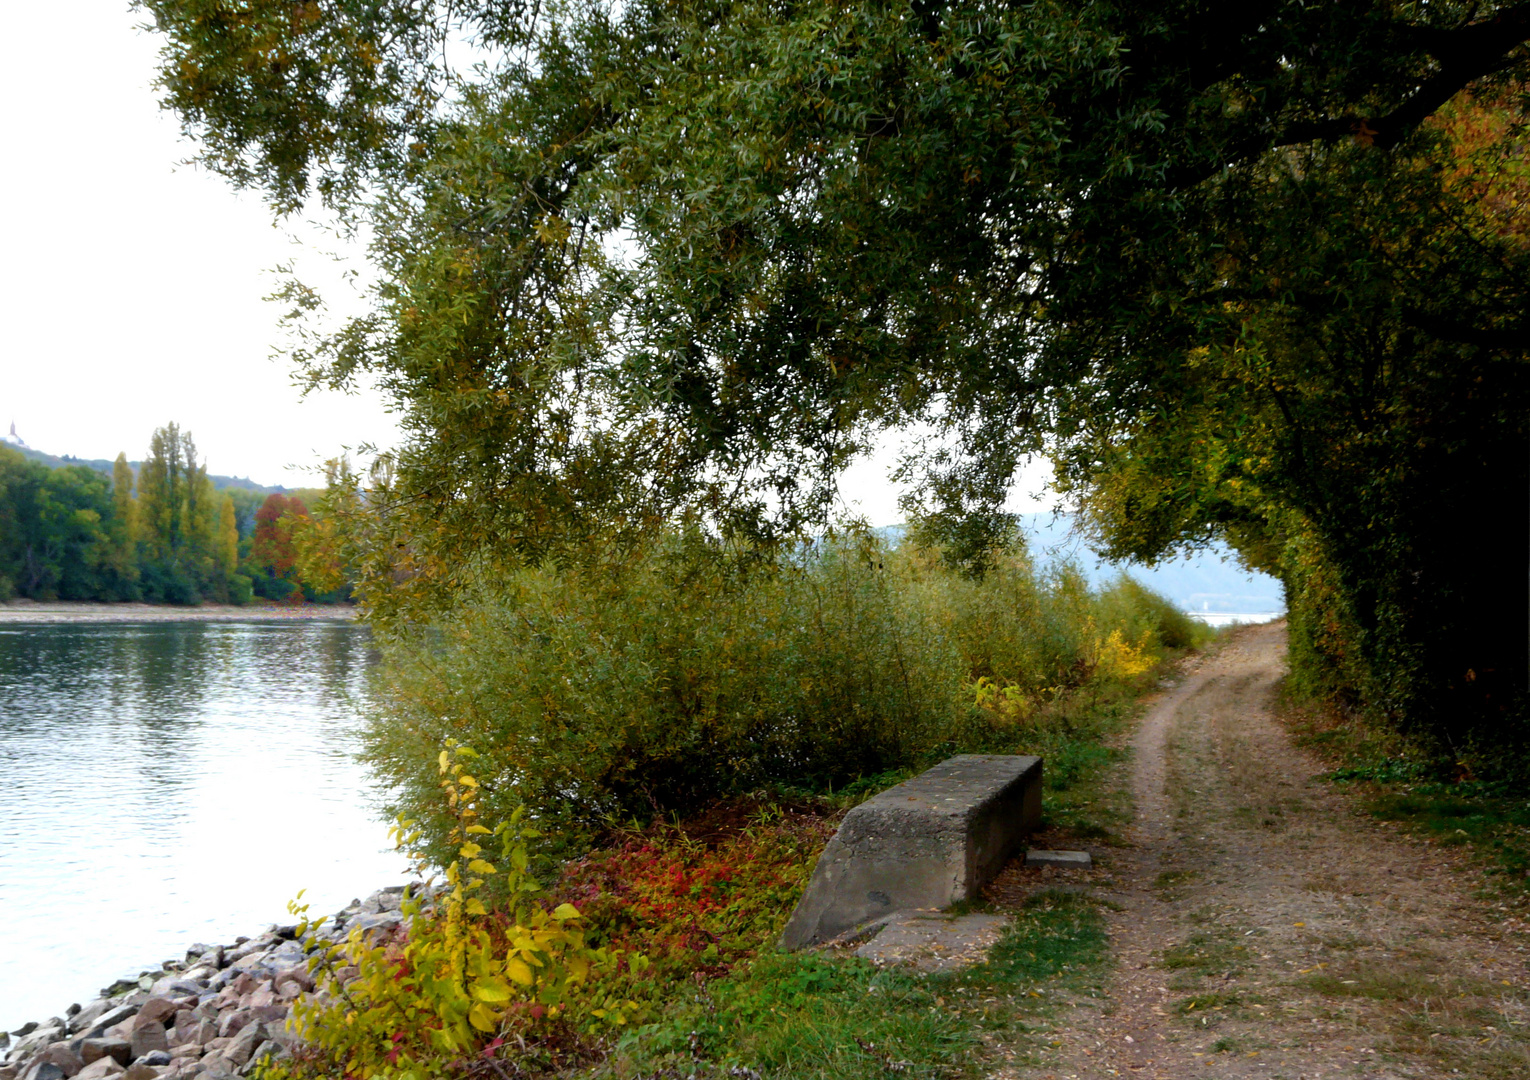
(676, 257)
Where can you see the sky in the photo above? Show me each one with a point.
(132, 288)
(131, 291)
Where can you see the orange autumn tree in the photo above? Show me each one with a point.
(273, 554)
(1485, 161)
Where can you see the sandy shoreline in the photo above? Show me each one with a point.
(65, 611)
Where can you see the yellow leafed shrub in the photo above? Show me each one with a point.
(1008, 700)
(1116, 658)
(463, 979)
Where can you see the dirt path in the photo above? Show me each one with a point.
(1261, 927)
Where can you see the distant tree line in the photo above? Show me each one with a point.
(166, 536)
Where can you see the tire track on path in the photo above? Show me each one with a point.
(1262, 927)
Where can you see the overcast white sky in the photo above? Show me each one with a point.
(131, 288)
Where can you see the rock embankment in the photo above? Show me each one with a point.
(217, 1013)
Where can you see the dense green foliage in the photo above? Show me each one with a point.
(54, 531)
(1252, 271)
(1354, 421)
(680, 679)
(674, 922)
(72, 533)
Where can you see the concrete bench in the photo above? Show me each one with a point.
(927, 843)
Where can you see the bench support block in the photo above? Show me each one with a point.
(926, 844)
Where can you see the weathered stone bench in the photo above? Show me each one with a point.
(927, 843)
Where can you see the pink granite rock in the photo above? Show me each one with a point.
(99, 1069)
(148, 1038)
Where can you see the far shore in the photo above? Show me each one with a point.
(64, 611)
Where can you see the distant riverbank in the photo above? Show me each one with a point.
(57, 611)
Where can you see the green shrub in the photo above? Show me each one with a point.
(686, 676)
(461, 977)
(1138, 611)
(241, 590)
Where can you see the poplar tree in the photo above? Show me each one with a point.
(228, 537)
(161, 496)
(179, 519)
(202, 521)
(123, 533)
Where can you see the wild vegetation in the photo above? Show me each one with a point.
(595, 695)
(162, 533)
(650, 275)
(666, 750)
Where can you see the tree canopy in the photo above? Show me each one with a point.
(1252, 271)
(75, 533)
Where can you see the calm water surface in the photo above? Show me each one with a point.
(165, 783)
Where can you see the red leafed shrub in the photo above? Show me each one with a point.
(698, 897)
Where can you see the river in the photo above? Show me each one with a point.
(169, 783)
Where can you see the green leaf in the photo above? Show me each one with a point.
(494, 991)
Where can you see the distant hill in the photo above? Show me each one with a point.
(103, 466)
(1210, 582)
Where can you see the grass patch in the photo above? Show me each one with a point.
(1208, 1004)
(1055, 935)
(1347, 943)
(811, 1016)
(1380, 984)
(1433, 798)
(1170, 883)
(1460, 1024)
(1204, 955)
(802, 1015)
(1424, 981)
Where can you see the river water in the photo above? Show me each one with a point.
(169, 783)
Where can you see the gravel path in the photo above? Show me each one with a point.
(1262, 927)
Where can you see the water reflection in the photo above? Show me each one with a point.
(169, 782)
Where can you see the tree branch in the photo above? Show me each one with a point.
(1465, 54)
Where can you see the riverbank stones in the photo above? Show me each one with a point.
(93, 1050)
(217, 1013)
(100, 1069)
